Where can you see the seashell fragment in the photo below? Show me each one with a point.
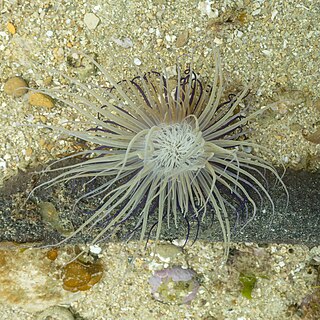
(174, 286)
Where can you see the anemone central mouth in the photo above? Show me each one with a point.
(172, 148)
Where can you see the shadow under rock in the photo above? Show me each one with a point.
(21, 221)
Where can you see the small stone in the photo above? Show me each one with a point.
(42, 142)
(11, 28)
(51, 216)
(49, 33)
(167, 250)
(95, 249)
(182, 39)
(168, 38)
(217, 41)
(267, 52)
(78, 276)
(48, 212)
(205, 9)
(52, 254)
(125, 43)
(43, 119)
(312, 137)
(256, 12)
(15, 86)
(39, 99)
(29, 151)
(137, 61)
(91, 20)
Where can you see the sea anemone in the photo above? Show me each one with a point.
(165, 149)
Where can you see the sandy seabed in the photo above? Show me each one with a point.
(275, 42)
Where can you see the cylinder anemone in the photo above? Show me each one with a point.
(174, 147)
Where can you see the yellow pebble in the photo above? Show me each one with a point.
(29, 151)
(43, 119)
(14, 87)
(39, 99)
(11, 28)
(52, 254)
(182, 39)
(49, 146)
(42, 142)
